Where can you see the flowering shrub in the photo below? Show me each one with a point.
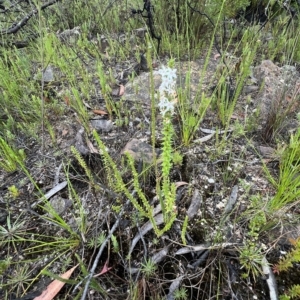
(167, 100)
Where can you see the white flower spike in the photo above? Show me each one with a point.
(166, 89)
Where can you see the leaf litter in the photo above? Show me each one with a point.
(200, 201)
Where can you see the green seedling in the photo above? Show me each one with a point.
(13, 233)
(181, 294)
(13, 191)
(10, 158)
(148, 268)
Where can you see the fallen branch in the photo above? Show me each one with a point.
(23, 22)
(270, 278)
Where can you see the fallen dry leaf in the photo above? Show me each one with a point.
(217, 56)
(293, 241)
(99, 112)
(121, 90)
(180, 183)
(91, 147)
(55, 286)
(104, 270)
(67, 100)
(205, 138)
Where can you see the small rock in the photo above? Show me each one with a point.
(47, 75)
(266, 152)
(101, 124)
(248, 89)
(140, 32)
(80, 144)
(211, 180)
(281, 86)
(59, 204)
(70, 35)
(140, 151)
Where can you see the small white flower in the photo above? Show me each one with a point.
(163, 101)
(165, 106)
(170, 107)
(167, 74)
(170, 75)
(166, 89)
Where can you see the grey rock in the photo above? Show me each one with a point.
(47, 75)
(279, 85)
(101, 124)
(70, 35)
